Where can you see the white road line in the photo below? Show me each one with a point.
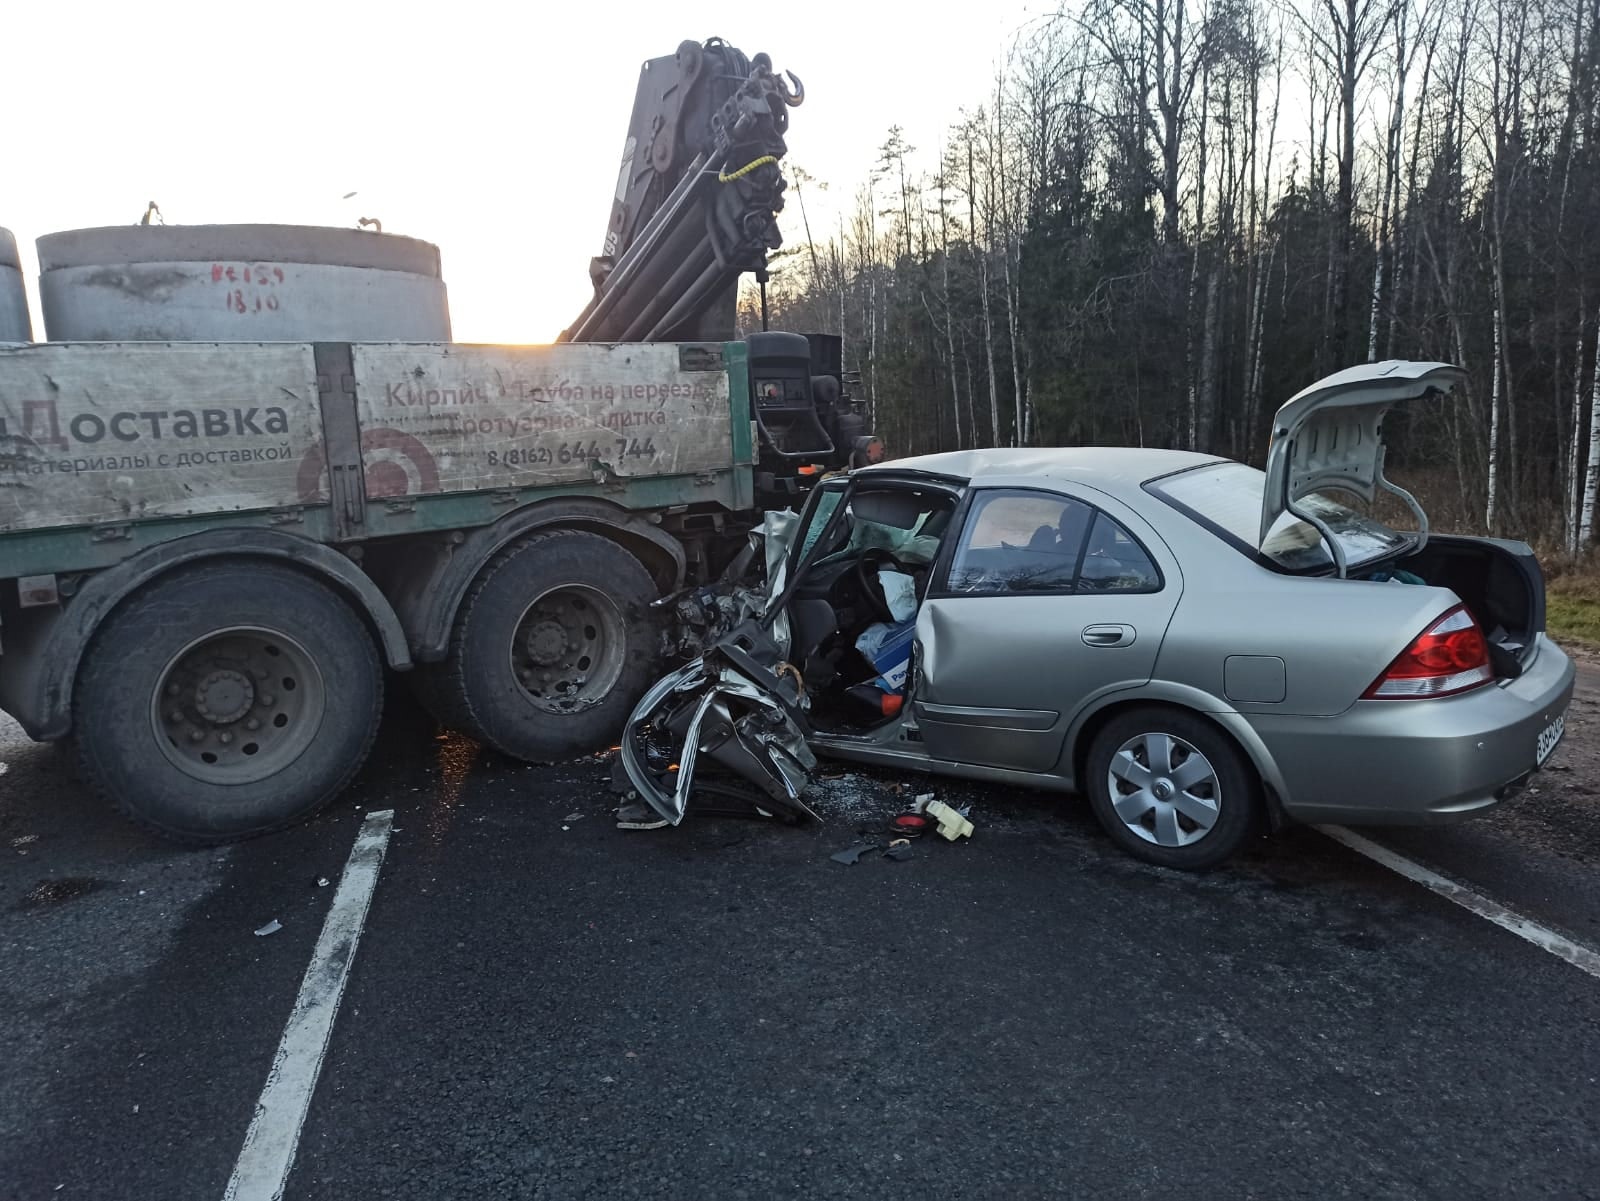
(1585, 959)
(274, 1134)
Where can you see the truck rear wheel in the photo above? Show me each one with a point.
(553, 646)
(227, 700)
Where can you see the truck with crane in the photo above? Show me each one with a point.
(214, 552)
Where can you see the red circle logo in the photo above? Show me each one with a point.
(392, 461)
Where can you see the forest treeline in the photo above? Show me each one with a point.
(1169, 216)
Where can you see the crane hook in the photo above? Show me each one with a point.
(795, 98)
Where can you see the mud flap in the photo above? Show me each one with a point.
(739, 709)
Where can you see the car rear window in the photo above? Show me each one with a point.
(1226, 498)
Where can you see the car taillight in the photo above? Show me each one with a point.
(1451, 656)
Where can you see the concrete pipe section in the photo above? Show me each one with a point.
(15, 325)
(240, 283)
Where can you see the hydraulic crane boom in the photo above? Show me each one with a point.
(697, 198)
(697, 206)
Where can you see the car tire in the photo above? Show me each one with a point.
(226, 700)
(553, 645)
(1194, 810)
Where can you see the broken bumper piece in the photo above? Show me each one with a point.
(737, 712)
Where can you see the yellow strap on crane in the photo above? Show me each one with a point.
(729, 177)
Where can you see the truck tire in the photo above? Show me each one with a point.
(553, 645)
(226, 700)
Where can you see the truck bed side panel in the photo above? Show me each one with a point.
(449, 417)
(114, 432)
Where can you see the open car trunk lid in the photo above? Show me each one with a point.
(1329, 437)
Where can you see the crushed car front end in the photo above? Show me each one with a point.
(742, 718)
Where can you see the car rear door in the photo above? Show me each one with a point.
(1047, 598)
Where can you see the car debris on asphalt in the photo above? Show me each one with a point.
(897, 850)
(904, 827)
(852, 855)
(909, 825)
(951, 824)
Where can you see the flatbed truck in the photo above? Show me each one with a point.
(214, 554)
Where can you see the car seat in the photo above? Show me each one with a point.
(1044, 538)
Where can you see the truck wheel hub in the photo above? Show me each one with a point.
(568, 648)
(547, 642)
(224, 696)
(238, 705)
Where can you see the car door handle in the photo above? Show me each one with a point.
(1108, 635)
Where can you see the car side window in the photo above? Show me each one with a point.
(1114, 562)
(1020, 542)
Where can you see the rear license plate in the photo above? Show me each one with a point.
(1549, 737)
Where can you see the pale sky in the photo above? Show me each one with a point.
(492, 130)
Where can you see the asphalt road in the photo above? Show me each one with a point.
(545, 1007)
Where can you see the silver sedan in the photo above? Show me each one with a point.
(1201, 648)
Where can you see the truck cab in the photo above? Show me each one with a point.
(807, 423)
